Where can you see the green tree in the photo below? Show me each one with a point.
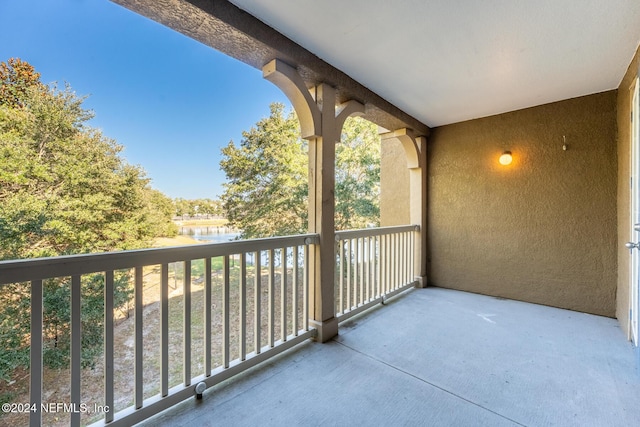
(16, 76)
(160, 209)
(266, 189)
(197, 206)
(64, 189)
(358, 176)
(183, 206)
(267, 177)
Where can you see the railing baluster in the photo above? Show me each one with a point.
(164, 329)
(294, 297)
(382, 264)
(361, 270)
(413, 255)
(341, 262)
(355, 273)
(409, 260)
(370, 265)
(348, 303)
(372, 247)
(400, 267)
(374, 266)
(186, 326)
(271, 297)
(283, 294)
(76, 347)
(370, 294)
(365, 268)
(393, 258)
(35, 393)
(354, 267)
(400, 259)
(257, 331)
(394, 254)
(242, 327)
(403, 259)
(207, 316)
(108, 345)
(390, 263)
(305, 288)
(374, 254)
(284, 290)
(387, 268)
(397, 256)
(346, 271)
(225, 313)
(139, 347)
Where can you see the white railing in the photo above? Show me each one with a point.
(248, 321)
(199, 314)
(372, 264)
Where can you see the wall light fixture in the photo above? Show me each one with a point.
(505, 158)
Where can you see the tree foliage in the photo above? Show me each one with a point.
(266, 189)
(193, 207)
(358, 176)
(64, 189)
(267, 177)
(16, 76)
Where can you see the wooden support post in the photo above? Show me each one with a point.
(321, 124)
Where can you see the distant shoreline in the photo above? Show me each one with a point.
(193, 222)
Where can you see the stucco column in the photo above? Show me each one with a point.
(415, 148)
(321, 124)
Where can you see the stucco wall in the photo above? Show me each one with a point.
(394, 184)
(624, 173)
(541, 230)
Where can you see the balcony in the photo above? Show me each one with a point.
(429, 356)
(239, 304)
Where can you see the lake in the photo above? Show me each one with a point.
(214, 234)
(209, 234)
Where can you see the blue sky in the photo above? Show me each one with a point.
(171, 101)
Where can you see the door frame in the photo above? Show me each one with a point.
(634, 267)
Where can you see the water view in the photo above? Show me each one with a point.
(209, 234)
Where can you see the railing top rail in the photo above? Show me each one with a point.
(23, 270)
(379, 231)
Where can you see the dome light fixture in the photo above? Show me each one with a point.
(505, 158)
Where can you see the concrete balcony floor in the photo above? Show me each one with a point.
(439, 357)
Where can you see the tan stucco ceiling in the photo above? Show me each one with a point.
(445, 61)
